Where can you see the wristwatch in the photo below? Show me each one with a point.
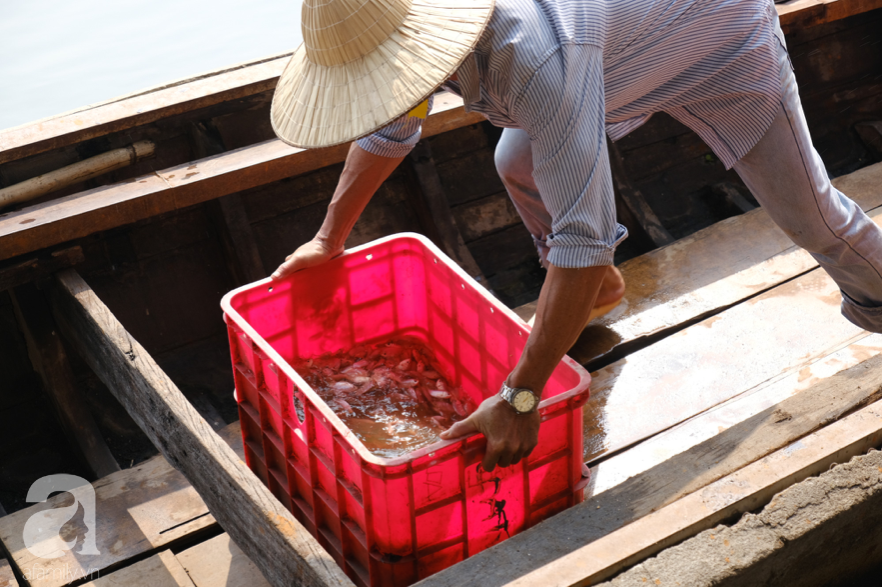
(521, 400)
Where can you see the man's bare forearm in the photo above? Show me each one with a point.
(362, 175)
(567, 297)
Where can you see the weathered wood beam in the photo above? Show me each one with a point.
(126, 112)
(266, 532)
(228, 214)
(726, 191)
(871, 135)
(49, 358)
(7, 576)
(602, 535)
(81, 214)
(17, 272)
(801, 14)
(439, 218)
(634, 200)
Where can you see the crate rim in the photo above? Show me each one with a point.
(328, 414)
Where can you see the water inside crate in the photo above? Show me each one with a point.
(391, 394)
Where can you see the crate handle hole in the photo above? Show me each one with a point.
(299, 412)
(492, 311)
(436, 261)
(462, 285)
(369, 257)
(270, 288)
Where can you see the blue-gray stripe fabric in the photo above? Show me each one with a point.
(568, 71)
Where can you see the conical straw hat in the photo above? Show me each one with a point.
(364, 63)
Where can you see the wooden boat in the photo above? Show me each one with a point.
(111, 311)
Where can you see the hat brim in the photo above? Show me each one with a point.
(319, 106)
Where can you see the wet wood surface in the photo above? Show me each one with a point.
(594, 540)
(712, 361)
(656, 450)
(220, 563)
(704, 273)
(137, 511)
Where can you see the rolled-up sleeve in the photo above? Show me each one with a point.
(562, 109)
(397, 138)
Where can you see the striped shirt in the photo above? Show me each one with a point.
(568, 71)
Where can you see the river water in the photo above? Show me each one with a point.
(57, 56)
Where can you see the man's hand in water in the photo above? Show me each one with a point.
(315, 252)
(510, 436)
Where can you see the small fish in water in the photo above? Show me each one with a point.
(391, 394)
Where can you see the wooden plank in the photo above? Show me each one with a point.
(798, 14)
(746, 442)
(228, 214)
(7, 577)
(634, 200)
(714, 361)
(17, 271)
(439, 217)
(674, 441)
(49, 358)
(479, 218)
(87, 212)
(160, 570)
(126, 112)
(265, 531)
(240, 245)
(138, 511)
(220, 563)
(576, 547)
(702, 274)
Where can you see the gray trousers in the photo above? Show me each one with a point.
(787, 177)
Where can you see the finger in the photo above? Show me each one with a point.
(491, 458)
(292, 263)
(517, 458)
(459, 429)
(505, 458)
(283, 270)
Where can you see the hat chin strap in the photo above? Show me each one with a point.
(336, 32)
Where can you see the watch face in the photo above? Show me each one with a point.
(524, 401)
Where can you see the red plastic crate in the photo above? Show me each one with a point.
(394, 521)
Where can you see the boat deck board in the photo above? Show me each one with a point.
(220, 563)
(160, 570)
(139, 511)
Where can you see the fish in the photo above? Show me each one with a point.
(397, 384)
